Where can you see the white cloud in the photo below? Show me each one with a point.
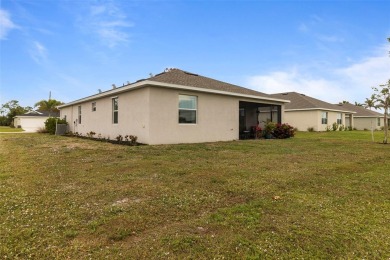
(352, 83)
(108, 23)
(6, 24)
(370, 71)
(38, 53)
(295, 80)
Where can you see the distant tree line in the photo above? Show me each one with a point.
(12, 108)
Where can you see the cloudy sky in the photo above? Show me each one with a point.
(331, 50)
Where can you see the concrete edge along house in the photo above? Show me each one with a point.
(304, 112)
(174, 106)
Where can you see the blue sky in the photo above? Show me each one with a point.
(331, 50)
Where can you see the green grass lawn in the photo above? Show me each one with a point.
(318, 195)
(7, 129)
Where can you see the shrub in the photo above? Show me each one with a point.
(91, 134)
(310, 129)
(341, 128)
(335, 126)
(282, 131)
(50, 124)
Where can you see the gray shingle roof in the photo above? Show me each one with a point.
(360, 111)
(38, 113)
(302, 102)
(180, 78)
(184, 78)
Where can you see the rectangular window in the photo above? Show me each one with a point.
(324, 119)
(115, 110)
(79, 114)
(93, 106)
(188, 109)
(339, 118)
(379, 121)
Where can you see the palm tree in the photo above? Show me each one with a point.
(48, 105)
(382, 100)
(370, 103)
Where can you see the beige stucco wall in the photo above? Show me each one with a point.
(132, 116)
(30, 124)
(311, 118)
(217, 118)
(361, 123)
(151, 113)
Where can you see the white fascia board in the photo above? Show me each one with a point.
(322, 109)
(368, 116)
(146, 83)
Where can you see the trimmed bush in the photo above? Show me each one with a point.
(282, 131)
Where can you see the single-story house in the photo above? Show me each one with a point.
(304, 112)
(174, 106)
(33, 120)
(364, 119)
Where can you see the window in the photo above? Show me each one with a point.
(79, 114)
(378, 121)
(93, 106)
(339, 119)
(187, 109)
(115, 110)
(324, 119)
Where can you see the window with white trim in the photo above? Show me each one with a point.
(93, 106)
(115, 110)
(79, 114)
(339, 119)
(324, 118)
(378, 121)
(188, 106)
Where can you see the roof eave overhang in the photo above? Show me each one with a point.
(378, 116)
(146, 83)
(322, 109)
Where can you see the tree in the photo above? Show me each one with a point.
(369, 103)
(11, 109)
(381, 98)
(358, 104)
(48, 105)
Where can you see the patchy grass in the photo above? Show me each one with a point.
(7, 129)
(319, 195)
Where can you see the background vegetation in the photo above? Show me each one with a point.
(317, 195)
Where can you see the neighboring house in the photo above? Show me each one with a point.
(364, 119)
(32, 121)
(172, 107)
(304, 112)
